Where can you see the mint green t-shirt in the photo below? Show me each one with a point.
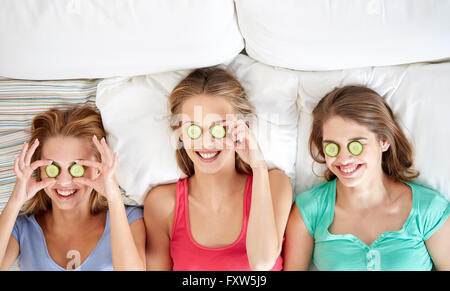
(404, 249)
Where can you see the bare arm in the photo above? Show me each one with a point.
(9, 247)
(271, 201)
(438, 246)
(299, 243)
(159, 207)
(25, 188)
(124, 243)
(139, 236)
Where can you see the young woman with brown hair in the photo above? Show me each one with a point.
(369, 215)
(73, 215)
(230, 212)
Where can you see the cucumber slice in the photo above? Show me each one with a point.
(76, 170)
(355, 148)
(194, 131)
(218, 131)
(52, 170)
(332, 149)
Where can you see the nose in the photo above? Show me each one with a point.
(64, 178)
(209, 142)
(344, 157)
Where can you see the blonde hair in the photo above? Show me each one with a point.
(80, 122)
(214, 82)
(369, 109)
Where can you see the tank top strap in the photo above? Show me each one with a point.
(180, 206)
(247, 201)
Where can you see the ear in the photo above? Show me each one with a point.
(384, 144)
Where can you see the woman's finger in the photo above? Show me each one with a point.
(115, 161)
(30, 152)
(89, 163)
(16, 165)
(40, 163)
(107, 152)
(22, 156)
(101, 149)
(229, 142)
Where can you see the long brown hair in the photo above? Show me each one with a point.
(217, 83)
(80, 122)
(369, 109)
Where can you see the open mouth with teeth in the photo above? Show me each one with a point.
(65, 193)
(348, 170)
(207, 156)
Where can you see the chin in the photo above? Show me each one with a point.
(352, 182)
(209, 169)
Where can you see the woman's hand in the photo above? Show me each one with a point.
(105, 183)
(26, 185)
(245, 143)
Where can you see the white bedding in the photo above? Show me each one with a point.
(317, 35)
(419, 96)
(136, 117)
(69, 39)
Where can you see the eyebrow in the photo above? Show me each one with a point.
(352, 139)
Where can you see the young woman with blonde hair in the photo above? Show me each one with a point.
(73, 215)
(230, 212)
(369, 215)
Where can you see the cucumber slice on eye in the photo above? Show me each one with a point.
(355, 148)
(218, 131)
(76, 170)
(332, 149)
(52, 170)
(194, 131)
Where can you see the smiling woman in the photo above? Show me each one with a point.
(230, 212)
(73, 209)
(369, 215)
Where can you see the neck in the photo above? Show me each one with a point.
(216, 188)
(68, 220)
(366, 195)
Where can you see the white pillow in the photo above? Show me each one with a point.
(67, 39)
(135, 114)
(418, 95)
(331, 35)
(273, 92)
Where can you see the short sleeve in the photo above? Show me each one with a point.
(434, 210)
(16, 229)
(307, 205)
(134, 213)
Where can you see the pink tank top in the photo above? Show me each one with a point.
(188, 255)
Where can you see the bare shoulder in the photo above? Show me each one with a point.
(280, 183)
(402, 192)
(160, 201)
(279, 179)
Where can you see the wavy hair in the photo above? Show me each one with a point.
(369, 109)
(217, 83)
(80, 122)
